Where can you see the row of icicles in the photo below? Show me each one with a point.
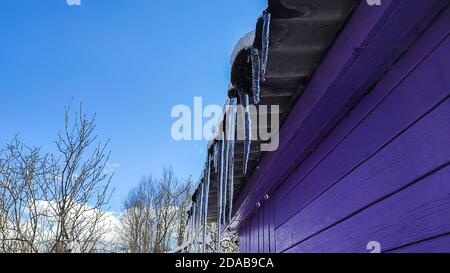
(221, 158)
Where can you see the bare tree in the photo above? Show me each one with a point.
(20, 179)
(55, 203)
(137, 224)
(152, 211)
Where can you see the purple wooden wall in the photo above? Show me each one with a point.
(365, 153)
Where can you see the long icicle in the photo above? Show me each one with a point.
(186, 230)
(256, 75)
(190, 222)
(265, 43)
(194, 218)
(232, 128)
(219, 199)
(207, 181)
(200, 210)
(216, 156)
(247, 127)
(225, 167)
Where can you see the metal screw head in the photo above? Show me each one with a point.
(258, 205)
(266, 197)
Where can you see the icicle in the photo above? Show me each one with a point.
(247, 127)
(189, 237)
(232, 131)
(200, 210)
(216, 156)
(194, 217)
(207, 181)
(265, 43)
(189, 224)
(225, 167)
(186, 230)
(219, 186)
(256, 75)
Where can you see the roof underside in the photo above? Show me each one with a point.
(300, 33)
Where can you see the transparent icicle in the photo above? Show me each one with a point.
(225, 166)
(200, 210)
(232, 130)
(256, 75)
(205, 215)
(265, 43)
(247, 127)
(189, 232)
(189, 235)
(216, 156)
(219, 186)
(194, 217)
(197, 222)
(186, 231)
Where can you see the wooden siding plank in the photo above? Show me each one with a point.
(424, 88)
(411, 156)
(267, 228)
(254, 236)
(243, 238)
(262, 240)
(395, 215)
(249, 238)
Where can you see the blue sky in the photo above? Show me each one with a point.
(129, 61)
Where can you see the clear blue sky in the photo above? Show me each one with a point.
(129, 61)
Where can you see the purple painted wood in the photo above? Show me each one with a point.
(397, 31)
(273, 244)
(261, 231)
(385, 221)
(266, 227)
(242, 238)
(411, 156)
(357, 30)
(254, 236)
(248, 240)
(427, 43)
(398, 111)
(244, 235)
(440, 244)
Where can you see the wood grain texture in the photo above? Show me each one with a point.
(254, 235)
(440, 244)
(363, 24)
(427, 86)
(411, 156)
(428, 42)
(243, 238)
(363, 182)
(394, 222)
(304, 129)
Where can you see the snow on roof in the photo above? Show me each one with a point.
(245, 42)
